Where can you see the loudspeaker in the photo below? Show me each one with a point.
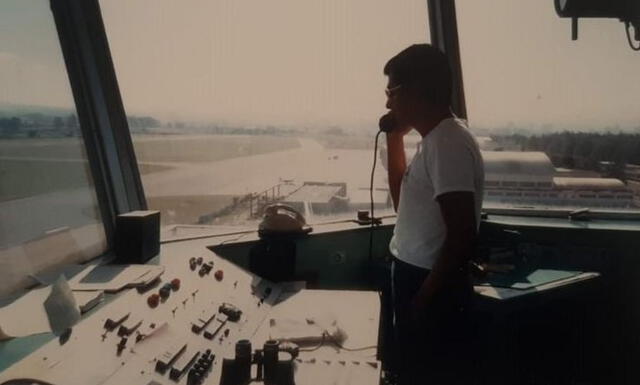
(137, 237)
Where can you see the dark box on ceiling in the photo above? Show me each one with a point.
(137, 237)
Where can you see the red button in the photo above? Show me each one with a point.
(219, 275)
(175, 284)
(153, 300)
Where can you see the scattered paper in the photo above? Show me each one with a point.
(26, 315)
(87, 300)
(39, 310)
(62, 310)
(307, 330)
(49, 276)
(113, 278)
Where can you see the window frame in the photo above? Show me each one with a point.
(100, 110)
(443, 25)
(102, 115)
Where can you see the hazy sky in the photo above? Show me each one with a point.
(32, 70)
(320, 61)
(256, 60)
(521, 66)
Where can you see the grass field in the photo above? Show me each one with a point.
(30, 167)
(25, 178)
(55, 148)
(207, 148)
(165, 148)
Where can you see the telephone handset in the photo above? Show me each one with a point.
(387, 122)
(280, 218)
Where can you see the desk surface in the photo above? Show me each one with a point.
(504, 293)
(88, 359)
(357, 314)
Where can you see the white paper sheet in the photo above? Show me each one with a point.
(112, 278)
(26, 315)
(86, 300)
(29, 315)
(60, 305)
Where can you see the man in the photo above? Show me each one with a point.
(438, 198)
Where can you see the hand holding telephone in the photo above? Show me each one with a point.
(387, 122)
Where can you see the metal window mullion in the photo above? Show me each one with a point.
(112, 110)
(100, 110)
(444, 35)
(86, 116)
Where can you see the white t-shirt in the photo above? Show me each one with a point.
(448, 160)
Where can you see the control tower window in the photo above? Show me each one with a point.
(559, 113)
(49, 213)
(234, 105)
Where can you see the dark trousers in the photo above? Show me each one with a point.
(436, 347)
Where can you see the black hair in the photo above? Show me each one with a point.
(424, 69)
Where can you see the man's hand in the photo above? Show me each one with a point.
(449, 271)
(390, 125)
(396, 161)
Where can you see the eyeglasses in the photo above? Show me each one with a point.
(392, 91)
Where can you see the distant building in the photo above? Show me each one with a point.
(632, 172)
(487, 144)
(606, 168)
(634, 186)
(632, 176)
(513, 170)
(576, 173)
(319, 198)
(529, 178)
(607, 192)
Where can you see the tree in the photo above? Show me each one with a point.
(72, 121)
(57, 123)
(72, 125)
(10, 126)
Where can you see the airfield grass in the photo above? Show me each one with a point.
(157, 148)
(26, 178)
(208, 148)
(29, 167)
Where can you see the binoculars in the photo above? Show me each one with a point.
(270, 369)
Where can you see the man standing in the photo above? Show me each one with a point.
(438, 197)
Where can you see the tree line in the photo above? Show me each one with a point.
(587, 151)
(38, 124)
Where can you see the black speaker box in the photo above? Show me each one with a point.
(137, 237)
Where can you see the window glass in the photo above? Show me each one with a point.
(49, 214)
(237, 104)
(553, 116)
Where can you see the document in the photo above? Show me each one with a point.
(41, 310)
(113, 278)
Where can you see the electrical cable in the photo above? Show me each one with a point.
(327, 337)
(233, 239)
(626, 27)
(313, 349)
(373, 218)
(338, 344)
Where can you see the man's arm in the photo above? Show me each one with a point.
(458, 213)
(396, 164)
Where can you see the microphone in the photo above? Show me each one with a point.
(387, 122)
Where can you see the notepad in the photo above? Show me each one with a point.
(523, 280)
(113, 278)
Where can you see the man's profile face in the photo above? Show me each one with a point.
(398, 102)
